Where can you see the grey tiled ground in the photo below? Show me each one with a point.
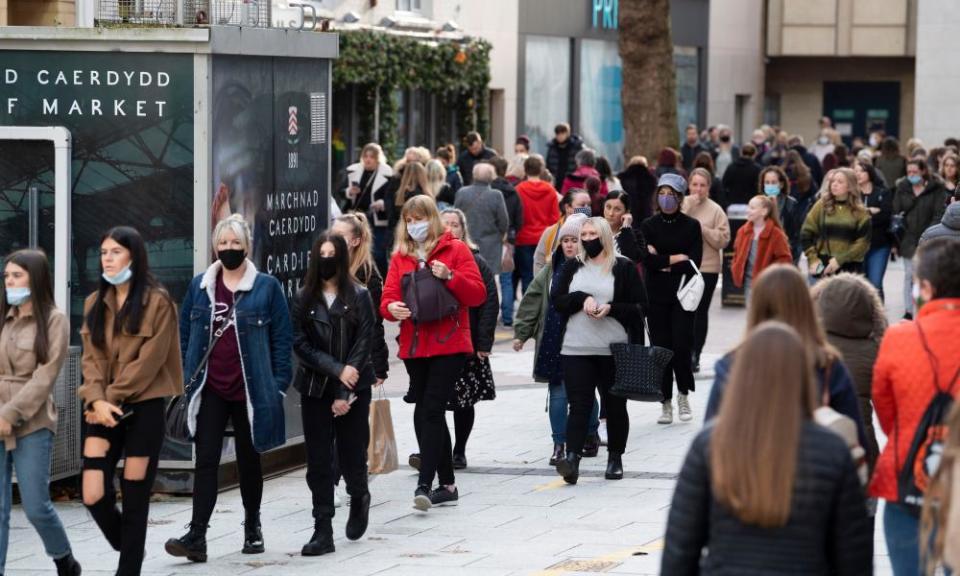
(515, 516)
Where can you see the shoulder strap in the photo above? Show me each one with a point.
(217, 334)
(935, 364)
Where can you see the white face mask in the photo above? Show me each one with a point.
(418, 231)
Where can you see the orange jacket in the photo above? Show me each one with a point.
(903, 383)
(772, 248)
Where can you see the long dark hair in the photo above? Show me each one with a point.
(41, 295)
(313, 283)
(142, 283)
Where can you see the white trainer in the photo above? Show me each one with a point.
(667, 416)
(683, 404)
(602, 432)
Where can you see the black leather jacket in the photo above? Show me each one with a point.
(326, 340)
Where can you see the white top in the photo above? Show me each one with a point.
(586, 335)
(330, 297)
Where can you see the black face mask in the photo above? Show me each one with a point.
(231, 259)
(327, 267)
(724, 139)
(593, 248)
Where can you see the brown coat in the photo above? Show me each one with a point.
(715, 228)
(133, 367)
(772, 248)
(25, 387)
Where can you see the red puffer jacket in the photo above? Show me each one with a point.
(466, 285)
(903, 383)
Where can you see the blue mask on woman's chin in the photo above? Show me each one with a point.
(122, 277)
(17, 296)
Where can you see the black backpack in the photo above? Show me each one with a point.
(926, 448)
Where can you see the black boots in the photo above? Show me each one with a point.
(359, 517)
(614, 467)
(591, 446)
(67, 566)
(322, 540)
(558, 452)
(569, 468)
(192, 545)
(252, 536)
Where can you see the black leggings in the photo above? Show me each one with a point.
(672, 327)
(353, 435)
(581, 376)
(432, 383)
(140, 435)
(211, 427)
(703, 311)
(463, 425)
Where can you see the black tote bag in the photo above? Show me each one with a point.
(639, 370)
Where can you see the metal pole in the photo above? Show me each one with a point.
(34, 219)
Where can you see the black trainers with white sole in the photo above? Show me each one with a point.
(443, 496)
(421, 498)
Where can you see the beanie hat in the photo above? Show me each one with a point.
(572, 226)
(675, 181)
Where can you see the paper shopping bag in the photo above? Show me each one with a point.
(382, 452)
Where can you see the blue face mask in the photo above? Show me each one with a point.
(122, 277)
(17, 296)
(771, 190)
(915, 179)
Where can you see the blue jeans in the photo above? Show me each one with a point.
(559, 411)
(508, 297)
(31, 458)
(901, 529)
(523, 259)
(875, 266)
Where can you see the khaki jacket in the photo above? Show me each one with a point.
(26, 399)
(716, 231)
(133, 367)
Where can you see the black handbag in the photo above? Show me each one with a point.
(898, 225)
(427, 297)
(177, 420)
(639, 370)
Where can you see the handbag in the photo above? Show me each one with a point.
(639, 370)
(176, 418)
(427, 297)
(382, 450)
(507, 263)
(690, 293)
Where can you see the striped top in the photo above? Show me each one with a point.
(844, 234)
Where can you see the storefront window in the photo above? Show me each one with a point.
(601, 118)
(686, 61)
(546, 88)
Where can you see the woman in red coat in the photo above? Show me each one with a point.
(760, 243)
(434, 353)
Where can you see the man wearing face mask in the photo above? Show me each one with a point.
(236, 340)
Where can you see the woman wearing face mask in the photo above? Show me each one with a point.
(247, 370)
(34, 336)
(333, 329)
(434, 353)
(616, 211)
(673, 241)
(131, 366)
(775, 185)
(601, 299)
(836, 233)
(760, 244)
(715, 229)
(879, 202)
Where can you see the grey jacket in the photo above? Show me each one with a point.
(949, 226)
(487, 220)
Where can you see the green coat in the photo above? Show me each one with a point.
(532, 313)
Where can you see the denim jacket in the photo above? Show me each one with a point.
(266, 339)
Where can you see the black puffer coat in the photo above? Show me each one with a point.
(483, 318)
(379, 355)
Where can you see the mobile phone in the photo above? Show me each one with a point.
(820, 269)
(127, 413)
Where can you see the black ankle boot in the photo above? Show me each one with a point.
(614, 467)
(322, 540)
(569, 468)
(558, 452)
(359, 517)
(67, 566)
(252, 535)
(192, 545)
(591, 447)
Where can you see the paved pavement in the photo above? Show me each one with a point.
(515, 515)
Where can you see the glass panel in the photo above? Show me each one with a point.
(687, 63)
(26, 165)
(601, 116)
(546, 94)
(419, 117)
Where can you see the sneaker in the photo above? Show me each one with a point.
(591, 447)
(666, 417)
(414, 461)
(459, 461)
(683, 403)
(442, 496)
(421, 498)
(192, 545)
(602, 432)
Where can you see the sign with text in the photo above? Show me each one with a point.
(604, 13)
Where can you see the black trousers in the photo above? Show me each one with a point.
(673, 327)
(211, 428)
(463, 419)
(139, 435)
(352, 432)
(431, 384)
(581, 376)
(703, 311)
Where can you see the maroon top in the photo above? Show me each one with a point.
(224, 372)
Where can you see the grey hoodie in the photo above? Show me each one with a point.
(949, 226)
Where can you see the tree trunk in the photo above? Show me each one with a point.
(649, 93)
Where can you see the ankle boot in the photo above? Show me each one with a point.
(359, 517)
(558, 452)
(192, 545)
(569, 468)
(322, 540)
(252, 535)
(67, 566)
(614, 467)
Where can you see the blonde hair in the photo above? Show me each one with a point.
(463, 226)
(436, 177)
(771, 205)
(374, 149)
(423, 207)
(361, 256)
(703, 173)
(236, 224)
(605, 234)
(854, 198)
(414, 175)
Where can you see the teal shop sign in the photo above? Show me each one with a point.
(605, 13)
